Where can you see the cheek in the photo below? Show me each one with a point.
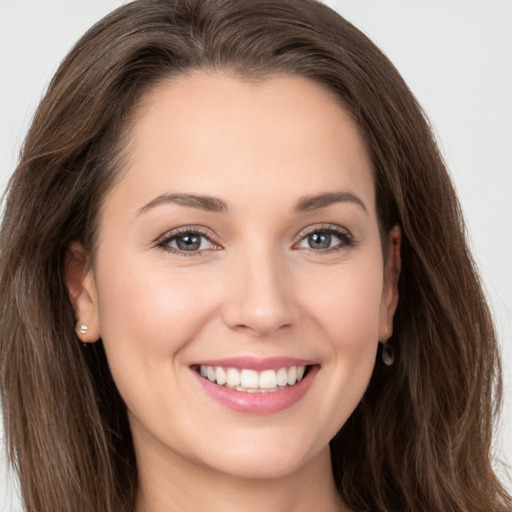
(148, 310)
(347, 305)
(148, 314)
(347, 316)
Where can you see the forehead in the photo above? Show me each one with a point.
(213, 134)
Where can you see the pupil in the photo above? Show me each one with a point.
(189, 242)
(320, 240)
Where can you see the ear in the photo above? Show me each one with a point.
(82, 292)
(389, 300)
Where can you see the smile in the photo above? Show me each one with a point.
(251, 381)
(256, 386)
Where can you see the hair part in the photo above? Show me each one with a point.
(419, 440)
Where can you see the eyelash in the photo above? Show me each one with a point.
(164, 242)
(345, 237)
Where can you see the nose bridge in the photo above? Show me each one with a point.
(259, 299)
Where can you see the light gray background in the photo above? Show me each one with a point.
(455, 55)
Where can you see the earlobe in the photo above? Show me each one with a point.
(82, 292)
(392, 270)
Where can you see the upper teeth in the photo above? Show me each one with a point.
(251, 380)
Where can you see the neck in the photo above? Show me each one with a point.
(169, 483)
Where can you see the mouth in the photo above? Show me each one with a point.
(247, 380)
(253, 386)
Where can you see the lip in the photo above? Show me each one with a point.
(255, 363)
(258, 403)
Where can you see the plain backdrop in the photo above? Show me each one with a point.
(456, 57)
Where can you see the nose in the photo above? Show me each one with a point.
(259, 300)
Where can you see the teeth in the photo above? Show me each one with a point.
(210, 373)
(233, 378)
(251, 381)
(282, 377)
(220, 376)
(268, 379)
(292, 376)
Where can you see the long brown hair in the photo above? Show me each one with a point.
(420, 438)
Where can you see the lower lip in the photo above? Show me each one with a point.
(259, 403)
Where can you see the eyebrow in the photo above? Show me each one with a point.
(308, 203)
(213, 204)
(207, 203)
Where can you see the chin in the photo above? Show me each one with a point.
(262, 468)
(263, 459)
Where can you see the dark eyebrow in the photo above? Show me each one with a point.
(307, 203)
(210, 204)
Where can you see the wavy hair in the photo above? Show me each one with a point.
(419, 440)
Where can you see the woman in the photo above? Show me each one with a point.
(221, 209)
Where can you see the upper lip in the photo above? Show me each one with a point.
(255, 363)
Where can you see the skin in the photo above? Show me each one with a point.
(255, 288)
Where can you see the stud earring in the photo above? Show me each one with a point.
(83, 329)
(387, 354)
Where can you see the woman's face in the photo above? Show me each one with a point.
(241, 242)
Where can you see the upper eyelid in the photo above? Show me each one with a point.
(322, 227)
(164, 242)
(344, 235)
(200, 230)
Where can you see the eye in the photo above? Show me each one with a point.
(187, 241)
(325, 239)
